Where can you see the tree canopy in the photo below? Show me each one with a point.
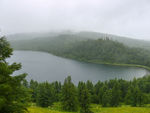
(12, 93)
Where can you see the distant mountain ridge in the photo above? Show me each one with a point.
(125, 40)
(84, 35)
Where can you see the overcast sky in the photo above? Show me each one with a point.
(121, 17)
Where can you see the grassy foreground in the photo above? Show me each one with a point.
(95, 109)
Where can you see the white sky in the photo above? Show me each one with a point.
(121, 17)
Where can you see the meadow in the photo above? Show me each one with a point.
(95, 108)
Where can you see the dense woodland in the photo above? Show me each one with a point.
(16, 92)
(109, 93)
(102, 50)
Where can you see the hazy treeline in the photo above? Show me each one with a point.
(109, 93)
(97, 51)
(131, 42)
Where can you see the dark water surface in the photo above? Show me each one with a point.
(42, 66)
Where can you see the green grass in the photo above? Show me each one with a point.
(95, 108)
(123, 109)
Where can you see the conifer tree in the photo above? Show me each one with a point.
(116, 95)
(90, 87)
(33, 86)
(84, 98)
(106, 98)
(97, 93)
(12, 93)
(45, 94)
(57, 90)
(69, 96)
(129, 97)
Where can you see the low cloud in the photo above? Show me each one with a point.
(120, 17)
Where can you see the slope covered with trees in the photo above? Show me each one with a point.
(84, 49)
(131, 42)
(107, 51)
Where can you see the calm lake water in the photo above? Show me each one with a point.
(42, 66)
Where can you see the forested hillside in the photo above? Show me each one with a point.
(56, 45)
(131, 42)
(85, 49)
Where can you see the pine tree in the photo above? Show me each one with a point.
(45, 94)
(80, 88)
(33, 86)
(106, 98)
(90, 87)
(84, 98)
(25, 83)
(57, 90)
(69, 96)
(129, 97)
(116, 95)
(97, 93)
(102, 89)
(12, 93)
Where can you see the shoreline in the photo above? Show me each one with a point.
(124, 65)
(94, 61)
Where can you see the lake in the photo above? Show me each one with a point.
(43, 66)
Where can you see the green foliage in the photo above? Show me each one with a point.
(69, 96)
(112, 93)
(45, 94)
(57, 90)
(84, 98)
(106, 98)
(90, 88)
(116, 94)
(33, 87)
(13, 95)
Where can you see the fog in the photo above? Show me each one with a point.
(121, 17)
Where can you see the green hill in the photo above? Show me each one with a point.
(125, 40)
(83, 48)
(84, 34)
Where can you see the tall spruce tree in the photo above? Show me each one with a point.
(116, 95)
(90, 87)
(12, 93)
(69, 96)
(34, 89)
(97, 94)
(84, 98)
(45, 94)
(106, 98)
(57, 90)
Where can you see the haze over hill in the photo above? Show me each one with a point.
(120, 17)
(131, 42)
(90, 47)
